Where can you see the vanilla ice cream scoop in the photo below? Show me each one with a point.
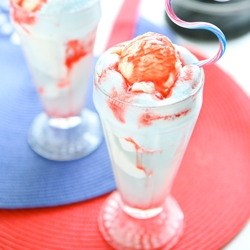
(150, 58)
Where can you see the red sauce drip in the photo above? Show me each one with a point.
(141, 168)
(137, 147)
(139, 154)
(75, 50)
(117, 108)
(102, 77)
(23, 16)
(189, 76)
(147, 119)
(144, 170)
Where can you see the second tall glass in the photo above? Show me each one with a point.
(58, 45)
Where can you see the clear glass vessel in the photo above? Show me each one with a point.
(59, 51)
(146, 146)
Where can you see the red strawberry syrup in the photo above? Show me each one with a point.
(147, 119)
(22, 16)
(103, 76)
(139, 154)
(117, 107)
(75, 50)
(189, 76)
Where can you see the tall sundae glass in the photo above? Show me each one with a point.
(57, 38)
(148, 93)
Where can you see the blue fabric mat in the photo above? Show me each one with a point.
(26, 179)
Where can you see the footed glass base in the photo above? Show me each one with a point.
(64, 139)
(122, 231)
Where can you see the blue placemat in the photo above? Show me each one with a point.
(26, 179)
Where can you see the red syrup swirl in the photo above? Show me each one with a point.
(117, 101)
(146, 119)
(139, 155)
(103, 76)
(23, 16)
(189, 76)
(148, 58)
(75, 50)
(118, 108)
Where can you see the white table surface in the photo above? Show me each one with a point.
(237, 54)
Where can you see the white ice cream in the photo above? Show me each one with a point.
(181, 89)
(57, 38)
(147, 132)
